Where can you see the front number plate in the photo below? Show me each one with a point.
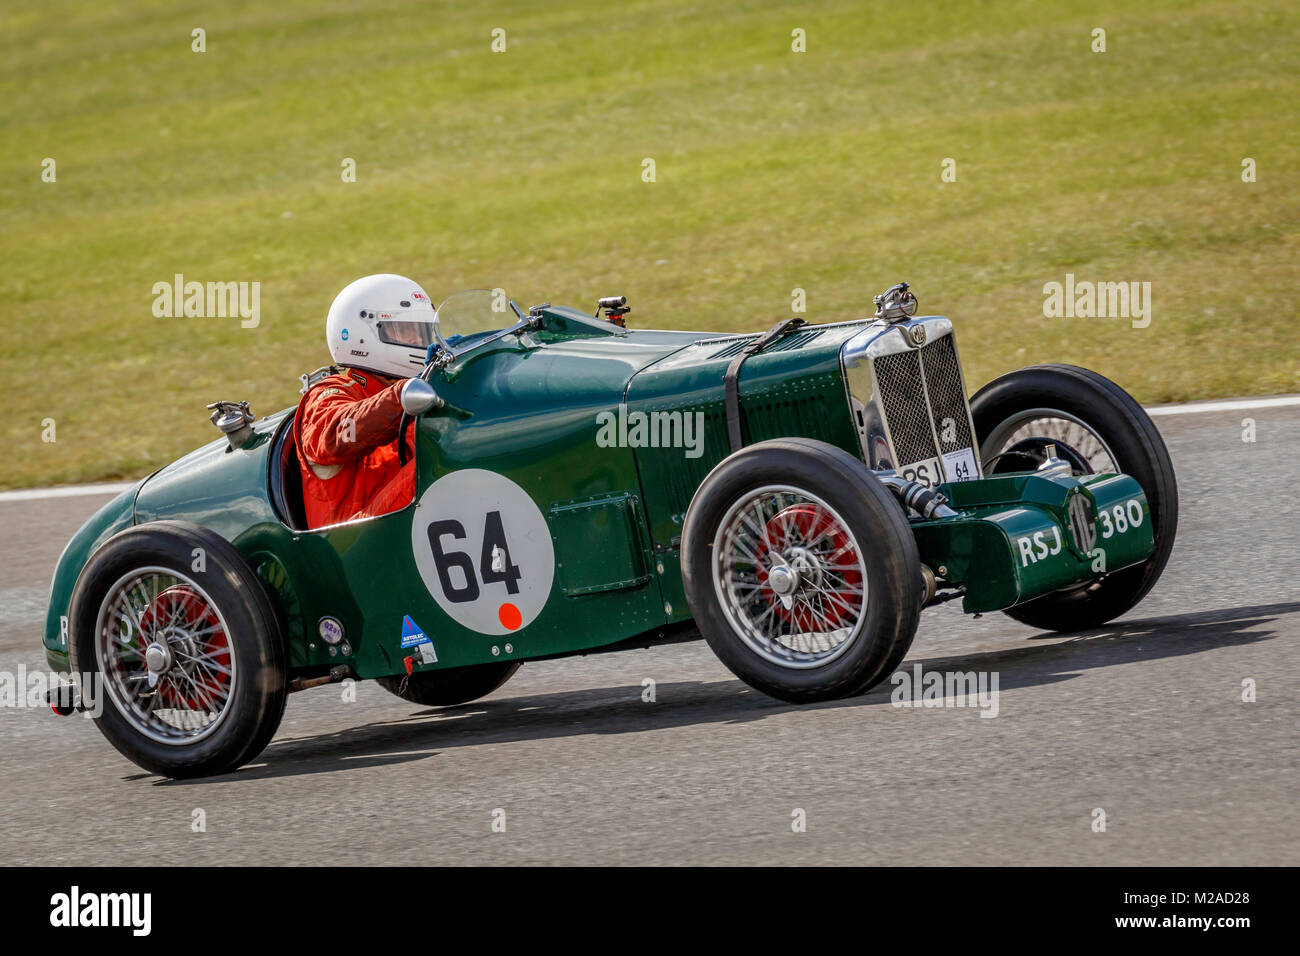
(927, 472)
(960, 465)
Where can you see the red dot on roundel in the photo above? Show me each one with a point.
(510, 616)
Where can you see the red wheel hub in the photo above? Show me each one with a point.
(808, 539)
(181, 619)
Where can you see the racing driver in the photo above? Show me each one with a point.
(378, 330)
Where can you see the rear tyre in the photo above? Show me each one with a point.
(801, 570)
(173, 636)
(457, 685)
(1097, 427)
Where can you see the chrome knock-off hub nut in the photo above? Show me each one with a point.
(157, 658)
(783, 579)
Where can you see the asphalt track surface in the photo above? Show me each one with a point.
(1143, 719)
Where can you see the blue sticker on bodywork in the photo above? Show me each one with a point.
(411, 633)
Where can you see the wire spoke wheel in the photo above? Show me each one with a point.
(1099, 429)
(1076, 440)
(790, 576)
(188, 658)
(801, 570)
(164, 650)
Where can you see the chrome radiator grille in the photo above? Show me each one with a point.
(902, 392)
(909, 401)
(947, 393)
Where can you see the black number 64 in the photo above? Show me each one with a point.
(494, 541)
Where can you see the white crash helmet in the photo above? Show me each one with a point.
(382, 323)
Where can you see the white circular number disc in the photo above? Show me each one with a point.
(484, 551)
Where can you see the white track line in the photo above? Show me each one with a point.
(1186, 408)
(66, 491)
(1231, 405)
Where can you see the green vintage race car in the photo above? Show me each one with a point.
(797, 497)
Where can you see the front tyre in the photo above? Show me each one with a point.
(801, 570)
(174, 638)
(1097, 427)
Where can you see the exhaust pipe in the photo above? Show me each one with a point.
(337, 673)
(916, 496)
(63, 699)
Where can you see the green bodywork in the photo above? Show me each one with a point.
(529, 407)
(1011, 541)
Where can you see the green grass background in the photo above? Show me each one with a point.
(775, 170)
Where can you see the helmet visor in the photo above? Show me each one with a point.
(411, 334)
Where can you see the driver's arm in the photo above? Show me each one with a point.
(340, 424)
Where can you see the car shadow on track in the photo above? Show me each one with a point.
(618, 710)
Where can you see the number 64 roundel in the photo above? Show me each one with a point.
(484, 550)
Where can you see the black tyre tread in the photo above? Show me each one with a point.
(446, 688)
(895, 589)
(263, 687)
(1144, 456)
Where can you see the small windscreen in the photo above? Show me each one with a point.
(464, 318)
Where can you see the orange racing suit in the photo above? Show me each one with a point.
(346, 432)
